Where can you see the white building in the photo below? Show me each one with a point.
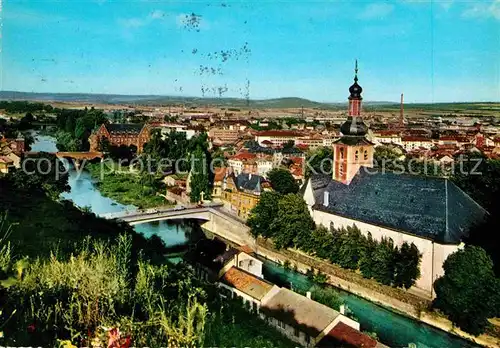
(432, 213)
(276, 137)
(166, 128)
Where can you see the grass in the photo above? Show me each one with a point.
(40, 224)
(74, 298)
(128, 188)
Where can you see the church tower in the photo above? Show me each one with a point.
(352, 151)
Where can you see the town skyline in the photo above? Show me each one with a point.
(431, 51)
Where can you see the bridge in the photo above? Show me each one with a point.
(215, 219)
(89, 155)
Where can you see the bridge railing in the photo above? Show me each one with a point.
(153, 211)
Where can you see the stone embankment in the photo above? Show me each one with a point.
(411, 303)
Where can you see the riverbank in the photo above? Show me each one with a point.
(405, 304)
(127, 188)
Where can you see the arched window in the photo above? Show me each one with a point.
(356, 155)
(341, 153)
(366, 155)
(332, 226)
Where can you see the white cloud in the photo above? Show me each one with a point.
(377, 10)
(490, 9)
(137, 22)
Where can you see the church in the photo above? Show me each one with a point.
(431, 212)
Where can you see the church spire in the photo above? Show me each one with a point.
(356, 71)
(354, 124)
(352, 151)
(355, 89)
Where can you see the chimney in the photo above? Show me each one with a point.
(401, 113)
(342, 309)
(326, 198)
(308, 295)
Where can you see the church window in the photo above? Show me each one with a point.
(342, 153)
(356, 155)
(341, 169)
(332, 226)
(366, 155)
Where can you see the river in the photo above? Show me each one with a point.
(391, 328)
(84, 193)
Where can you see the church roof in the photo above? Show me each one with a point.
(428, 207)
(353, 140)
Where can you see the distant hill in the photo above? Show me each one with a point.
(290, 102)
(276, 103)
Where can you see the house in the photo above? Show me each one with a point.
(219, 175)
(300, 318)
(237, 161)
(238, 274)
(387, 137)
(276, 137)
(241, 193)
(433, 213)
(343, 335)
(166, 128)
(5, 164)
(135, 135)
(414, 142)
(224, 136)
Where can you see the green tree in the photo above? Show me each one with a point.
(367, 266)
(383, 258)
(351, 243)
(319, 161)
(199, 176)
(103, 144)
(42, 172)
(293, 223)
(407, 265)
(469, 292)
(263, 214)
(282, 181)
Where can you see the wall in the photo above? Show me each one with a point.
(229, 228)
(433, 254)
(249, 264)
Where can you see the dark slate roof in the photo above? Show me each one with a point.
(432, 208)
(353, 140)
(249, 182)
(124, 128)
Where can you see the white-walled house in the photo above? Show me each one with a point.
(298, 317)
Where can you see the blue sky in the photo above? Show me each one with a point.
(446, 50)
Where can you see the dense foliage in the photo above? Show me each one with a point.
(286, 220)
(40, 173)
(75, 127)
(391, 159)
(200, 178)
(469, 292)
(282, 181)
(480, 178)
(21, 106)
(319, 161)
